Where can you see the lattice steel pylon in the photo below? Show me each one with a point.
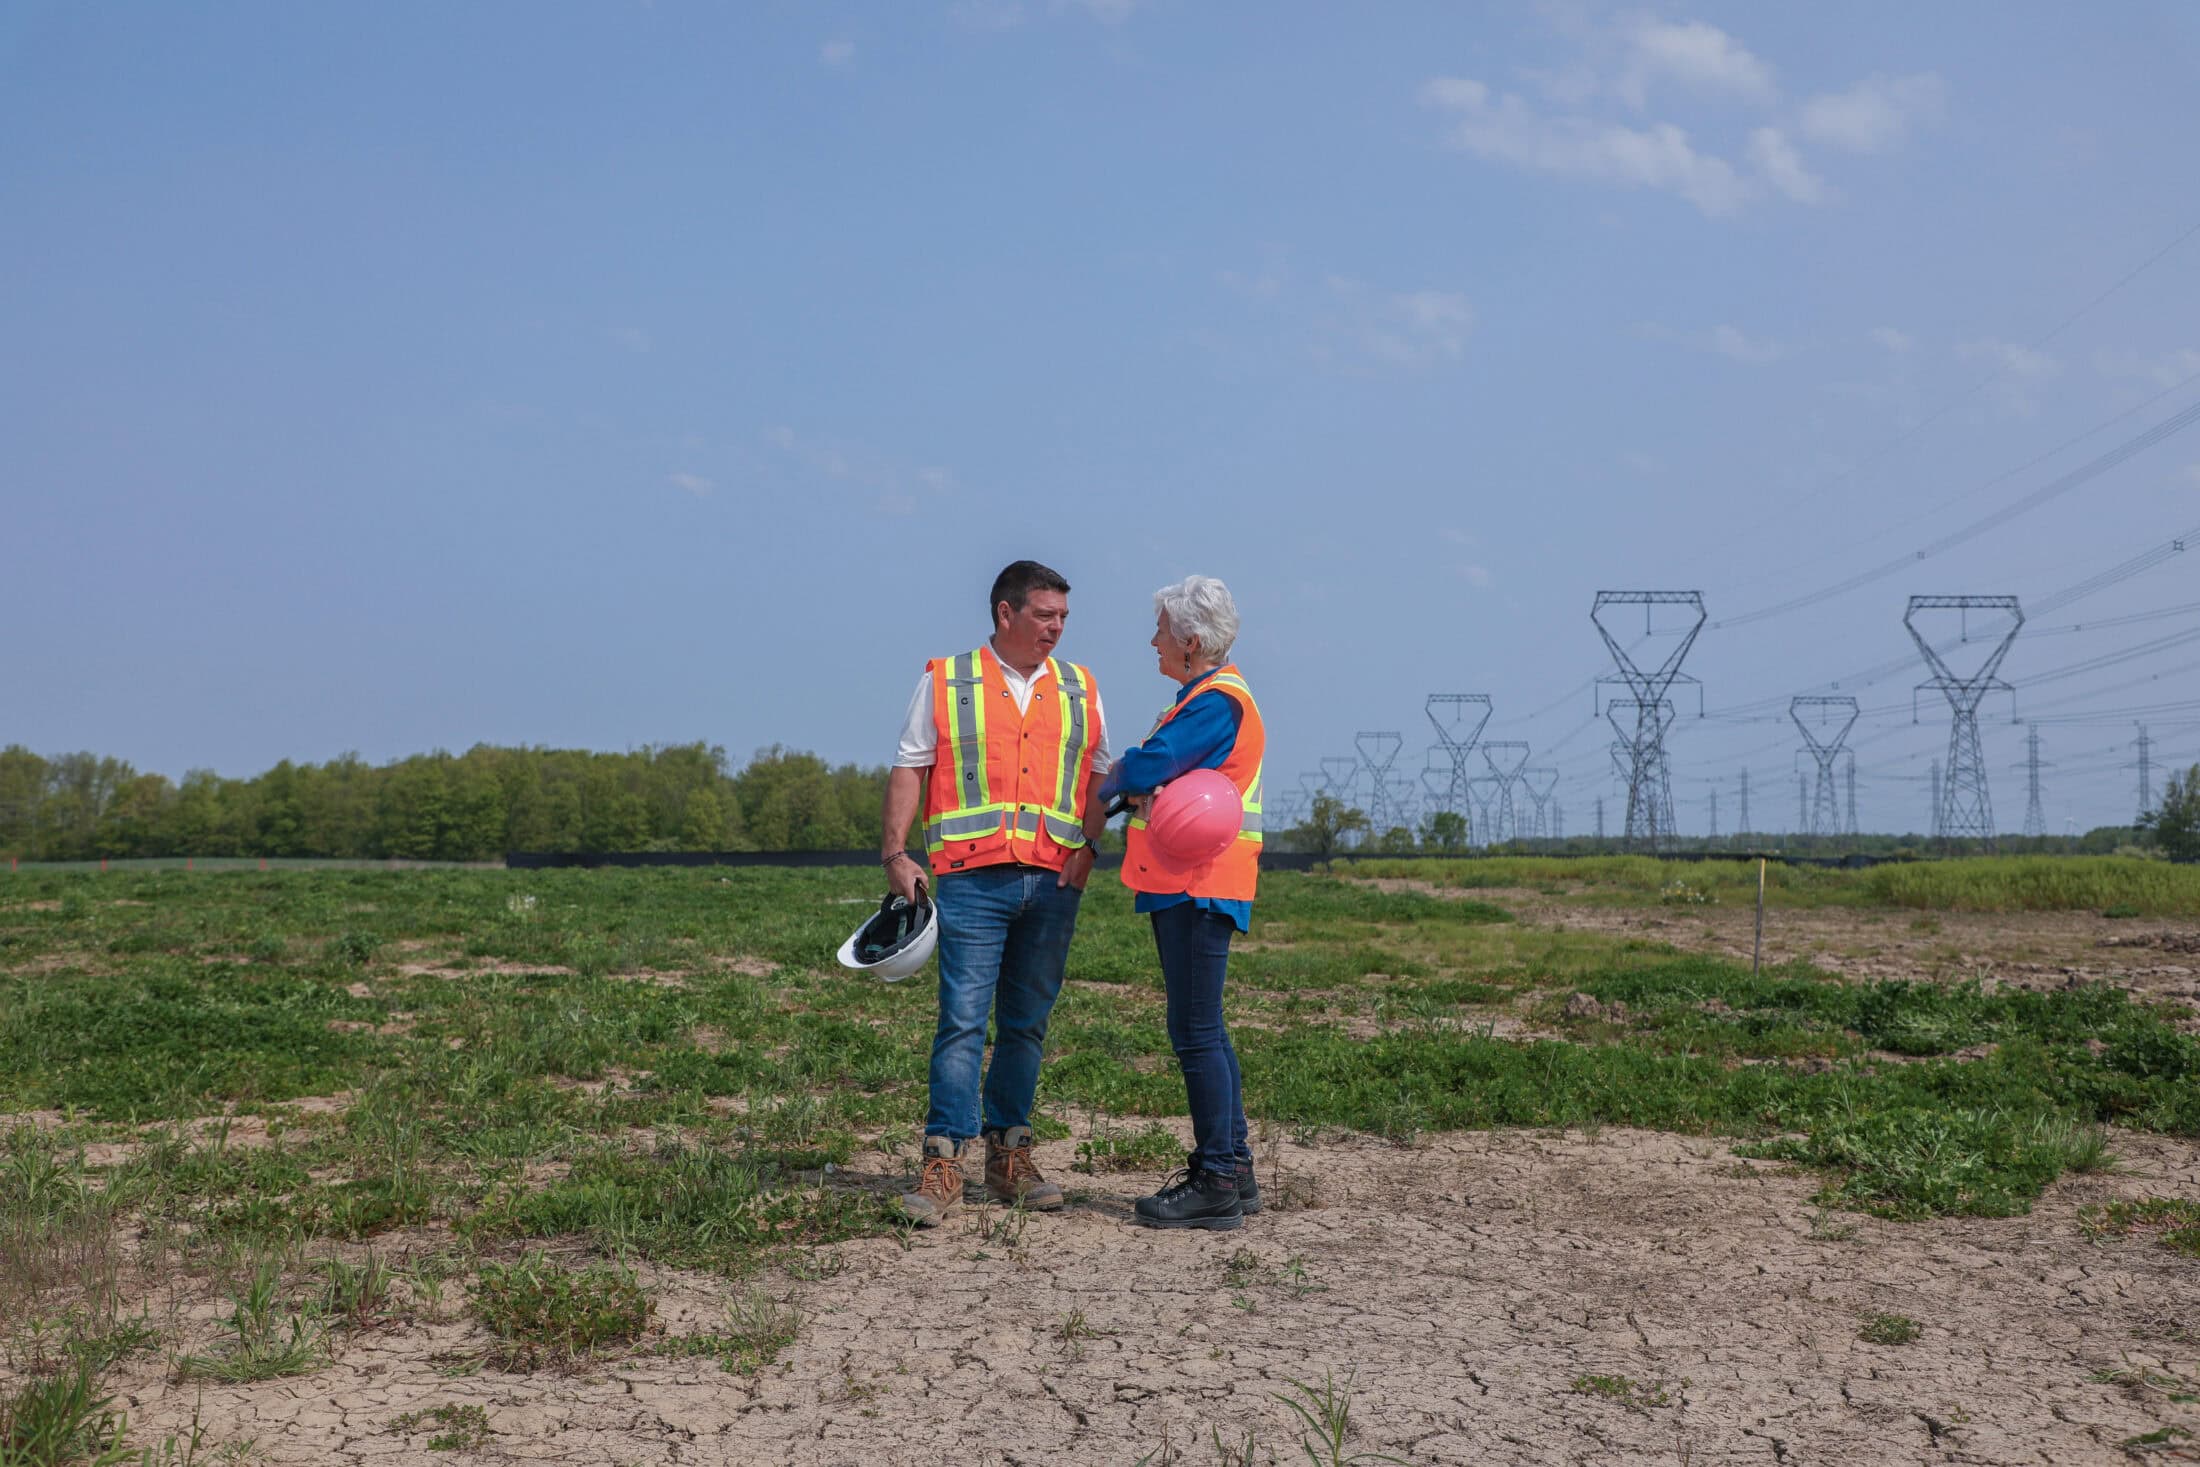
(1639, 755)
(1340, 773)
(1966, 809)
(1505, 758)
(1853, 830)
(1540, 784)
(1482, 790)
(1838, 715)
(1378, 751)
(2035, 817)
(2145, 766)
(1649, 790)
(1458, 719)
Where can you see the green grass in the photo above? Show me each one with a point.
(2128, 886)
(1153, 1149)
(542, 1311)
(456, 1428)
(1889, 1329)
(1633, 1394)
(2173, 1222)
(666, 1065)
(757, 1328)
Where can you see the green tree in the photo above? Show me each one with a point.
(1328, 821)
(2176, 820)
(1445, 830)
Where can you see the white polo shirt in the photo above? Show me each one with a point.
(920, 737)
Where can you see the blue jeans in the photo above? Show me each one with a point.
(1004, 943)
(1195, 956)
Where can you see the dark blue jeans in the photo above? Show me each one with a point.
(1004, 943)
(1195, 956)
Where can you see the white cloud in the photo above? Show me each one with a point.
(694, 484)
(1111, 12)
(1405, 329)
(1727, 341)
(1264, 283)
(1876, 114)
(633, 338)
(1477, 575)
(1506, 129)
(1891, 339)
(2009, 357)
(987, 15)
(1783, 168)
(2018, 370)
(2166, 370)
(1695, 55)
(1730, 342)
(837, 52)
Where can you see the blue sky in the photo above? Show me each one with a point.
(386, 378)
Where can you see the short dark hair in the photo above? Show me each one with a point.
(1016, 583)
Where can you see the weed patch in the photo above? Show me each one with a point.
(542, 1312)
(2172, 1222)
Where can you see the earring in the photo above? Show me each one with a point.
(1187, 662)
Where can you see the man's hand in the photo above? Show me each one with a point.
(1138, 805)
(1077, 869)
(903, 877)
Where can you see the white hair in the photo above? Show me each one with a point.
(1199, 607)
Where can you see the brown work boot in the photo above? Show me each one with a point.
(1012, 1176)
(939, 1185)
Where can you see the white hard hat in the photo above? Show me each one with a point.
(895, 941)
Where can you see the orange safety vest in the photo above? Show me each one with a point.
(1008, 786)
(1233, 875)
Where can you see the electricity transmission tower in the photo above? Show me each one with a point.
(1504, 756)
(2035, 819)
(1965, 809)
(1714, 812)
(1547, 779)
(1340, 772)
(1824, 724)
(1483, 791)
(1802, 804)
(1378, 751)
(1439, 791)
(1853, 828)
(2146, 772)
(1649, 789)
(1936, 799)
(1744, 827)
(1458, 719)
(1600, 817)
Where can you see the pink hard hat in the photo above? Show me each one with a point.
(1194, 817)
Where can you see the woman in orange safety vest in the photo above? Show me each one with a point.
(1212, 724)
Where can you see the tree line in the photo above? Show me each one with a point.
(473, 806)
(680, 797)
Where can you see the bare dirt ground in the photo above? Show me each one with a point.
(2150, 957)
(1467, 1287)
(1470, 1288)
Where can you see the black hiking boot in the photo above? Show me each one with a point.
(1194, 1198)
(1248, 1189)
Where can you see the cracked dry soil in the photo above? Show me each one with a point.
(1466, 1284)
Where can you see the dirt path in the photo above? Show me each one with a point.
(1470, 1283)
